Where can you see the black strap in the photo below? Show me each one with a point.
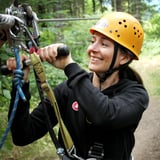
(114, 55)
(60, 150)
(111, 68)
(103, 77)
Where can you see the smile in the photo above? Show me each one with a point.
(94, 59)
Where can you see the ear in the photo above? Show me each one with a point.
(124, 58)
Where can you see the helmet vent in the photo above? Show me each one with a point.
(125, 26)
(118, 35)
(138, 31)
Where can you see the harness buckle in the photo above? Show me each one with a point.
(96, 151)
(72, 153)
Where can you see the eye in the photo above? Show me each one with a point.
(104, 43)
(92, 41)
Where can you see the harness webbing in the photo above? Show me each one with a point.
(38, 67)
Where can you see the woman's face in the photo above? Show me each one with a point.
(100, 53)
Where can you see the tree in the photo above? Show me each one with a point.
(94, 6)
(117, 5)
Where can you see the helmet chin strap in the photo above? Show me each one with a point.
(104, 76)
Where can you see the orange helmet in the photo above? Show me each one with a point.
(123, 28)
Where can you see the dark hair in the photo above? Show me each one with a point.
(127, 71)
(131, 74)
(127, 51)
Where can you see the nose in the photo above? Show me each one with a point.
(93, 47)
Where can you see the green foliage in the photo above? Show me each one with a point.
(4, 93)
(149, 69)
(152, 27)
(151, 47)
(7, 147)
(77, 37)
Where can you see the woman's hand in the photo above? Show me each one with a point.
(49, 54)
(11, 65)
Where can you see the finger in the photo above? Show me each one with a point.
(42, 54)
(24, 62)
(11, 63)
(46, 54)
(51, 53)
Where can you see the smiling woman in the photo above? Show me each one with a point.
(100, 53)
(101, 109)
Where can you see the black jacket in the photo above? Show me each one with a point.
(108, 117)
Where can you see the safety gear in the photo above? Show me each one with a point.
(96, 151)
(123, 28)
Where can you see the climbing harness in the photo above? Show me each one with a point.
(96, 151)
(38, 67)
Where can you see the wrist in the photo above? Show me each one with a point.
(70, 62)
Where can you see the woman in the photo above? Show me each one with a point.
(101, 109)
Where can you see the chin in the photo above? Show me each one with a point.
(93, 69)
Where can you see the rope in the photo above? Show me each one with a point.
(18, 82)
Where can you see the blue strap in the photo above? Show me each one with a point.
(18, 82)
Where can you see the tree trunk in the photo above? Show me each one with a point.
(119, 5)
(101, 6)
(137, 9)
(94, 6)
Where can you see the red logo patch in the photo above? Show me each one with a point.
(75, 106)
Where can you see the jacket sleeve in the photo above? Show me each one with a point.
(28, 127)
(122, 110)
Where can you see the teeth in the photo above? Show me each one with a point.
(94, 59)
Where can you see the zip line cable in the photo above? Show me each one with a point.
(65, 19)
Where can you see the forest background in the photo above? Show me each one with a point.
(76, 35)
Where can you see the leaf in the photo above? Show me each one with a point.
(6, 93)
(0, 87)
